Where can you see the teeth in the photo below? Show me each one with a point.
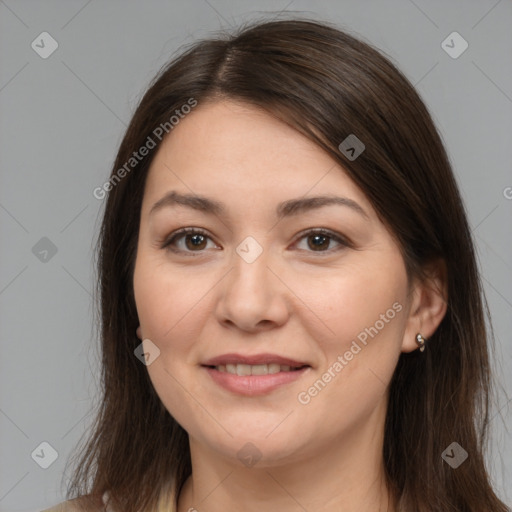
(243, 369)
(274, 368)
(255, 369)
(259, 369)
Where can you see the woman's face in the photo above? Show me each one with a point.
(254, 282)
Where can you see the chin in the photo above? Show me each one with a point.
(255, 447)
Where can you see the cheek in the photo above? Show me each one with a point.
(365, 301)
(167, 305)
(164, 299)
(365, 310)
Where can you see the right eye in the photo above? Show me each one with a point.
(187, 240)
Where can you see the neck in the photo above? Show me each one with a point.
(347, 475)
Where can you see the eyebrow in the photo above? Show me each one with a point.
(284, 209)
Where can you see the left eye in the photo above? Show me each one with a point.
(319, 240)
(196, 240)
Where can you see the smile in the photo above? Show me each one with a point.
(252, 380)
(255, 369)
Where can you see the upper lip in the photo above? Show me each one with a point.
(253, 360)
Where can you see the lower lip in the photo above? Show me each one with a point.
(251, 385)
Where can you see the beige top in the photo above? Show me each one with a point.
(71, 506)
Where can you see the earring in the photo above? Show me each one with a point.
(420, 340)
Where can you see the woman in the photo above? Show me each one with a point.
(292, 317)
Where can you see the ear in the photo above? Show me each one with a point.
(428, 306)
(139, 333)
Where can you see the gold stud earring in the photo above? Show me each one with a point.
(420, 340)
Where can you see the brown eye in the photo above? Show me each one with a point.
(321, 240)
(318, 242)
(193, 242)
(187, 241)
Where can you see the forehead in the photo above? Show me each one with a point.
(241, 152)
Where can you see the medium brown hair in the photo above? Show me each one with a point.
(326, 84)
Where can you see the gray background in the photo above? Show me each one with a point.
(63, 117)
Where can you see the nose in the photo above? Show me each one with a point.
(252, 297)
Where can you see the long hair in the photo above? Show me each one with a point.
(327, 84)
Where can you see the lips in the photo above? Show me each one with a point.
(253, 360)
(254, 375)
(255, 369)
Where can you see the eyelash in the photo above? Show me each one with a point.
(167, 244)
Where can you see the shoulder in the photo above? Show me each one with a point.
(82, 504)
(65, 506)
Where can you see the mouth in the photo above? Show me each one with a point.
(244, 370)
(254, 375)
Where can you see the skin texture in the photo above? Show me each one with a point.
(293, 300)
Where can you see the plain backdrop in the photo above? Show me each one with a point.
(63, 116)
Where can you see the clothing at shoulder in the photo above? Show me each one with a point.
(65, 506)
(73, 506)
